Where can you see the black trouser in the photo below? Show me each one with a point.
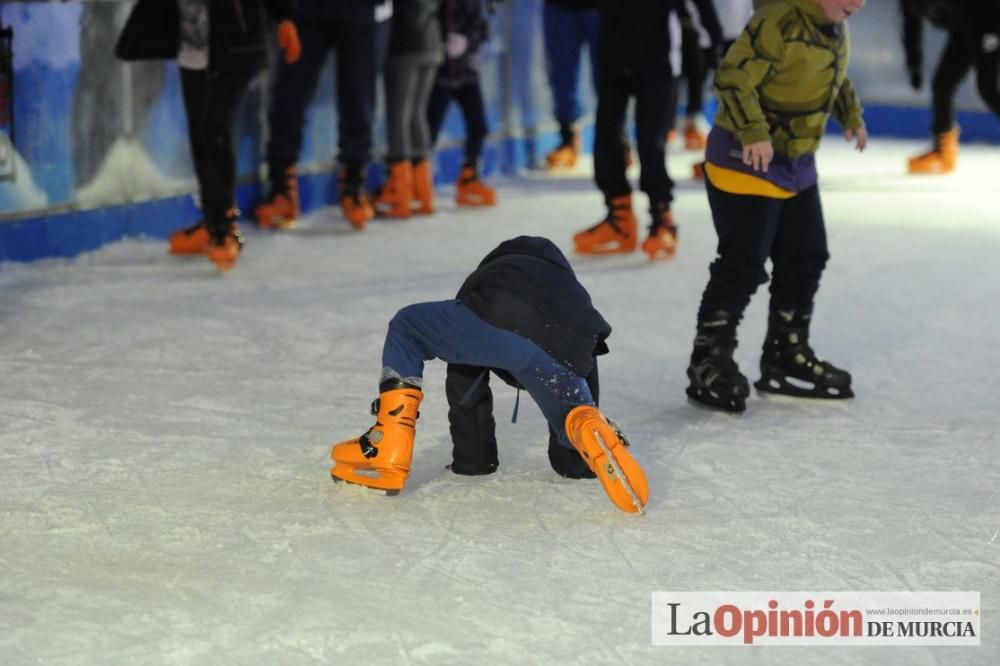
(357, 39)
(752, 229)
(652, 115)
(470, 100)
(211, 100)
(963, 51)
(693, 69)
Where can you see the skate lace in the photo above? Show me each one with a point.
(610, 220)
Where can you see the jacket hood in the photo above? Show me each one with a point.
(533, 246)
(808, 7)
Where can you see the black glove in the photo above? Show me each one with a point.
(916, 79)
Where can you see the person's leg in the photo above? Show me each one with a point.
(193, 90)
(562, 48)
(525, 20)
(400, 85)
(619, 231)
(293, 92)
(590, 28)
(799, 252)
(223, 95)
(746, 227)
(437, 107)
(799, 255)
(420, 134)
(651, 125)
(449, 331)
(609, 148)
(470, 99)
(988, 71)
(652, 120)
(955, 63)
(693, 68)
(357, 71)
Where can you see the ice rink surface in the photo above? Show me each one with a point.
(165, 433)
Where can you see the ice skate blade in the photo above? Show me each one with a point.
(279, 225)
(605, 249)
(779, 386)
(372, 489)
(614, 472)
(705, 400)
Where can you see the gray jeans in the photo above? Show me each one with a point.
(408, 85)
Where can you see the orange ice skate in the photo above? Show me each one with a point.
(281, 209)
(662, 241)
(470, 191)
(423, 187)
(618, 233)
(605, 451)
(380, 458)
(394, 199)
(942, 158)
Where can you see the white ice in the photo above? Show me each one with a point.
(165, 432)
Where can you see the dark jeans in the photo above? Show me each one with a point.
(448, 330)
(963, 52)
(652, 117)
(751, 230)
(359, 42)
(211, 100)
(693, 69)
(470, 100)
(566, 31)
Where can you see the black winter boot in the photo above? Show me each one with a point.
(716, 380)
(790, 367)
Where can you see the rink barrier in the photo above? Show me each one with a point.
(67, 233)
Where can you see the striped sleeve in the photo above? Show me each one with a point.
(847, 107)
(747, 64)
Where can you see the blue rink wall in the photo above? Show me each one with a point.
(95, 150)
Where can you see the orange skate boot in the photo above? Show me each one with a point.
(394, 198)
(605, 450)
(423, 187)
(694, 138)
(470, 191)
(662, 241)
(190, 240)
(618, 233)
(227, 243)
(281, 209)
(354, 202)
(942, 158)
(567, 152)
(380, 458)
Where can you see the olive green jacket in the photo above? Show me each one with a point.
(785, 76)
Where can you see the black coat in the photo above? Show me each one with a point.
(467, 18)
(416, 30)
(527, 286)
(236, 40)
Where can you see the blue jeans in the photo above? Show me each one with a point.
(566, 31)
(451, 332)
(525, 15)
